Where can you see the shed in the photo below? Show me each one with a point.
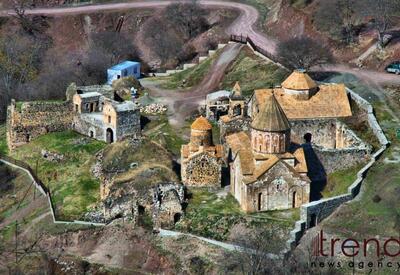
(124, 69)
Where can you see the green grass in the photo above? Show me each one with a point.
(253, 72)
(210, 216)
(163, 134)
(190, 77)
(378, 210)
(339, 181)
(3, 139)
(71, 183)
(153, 165)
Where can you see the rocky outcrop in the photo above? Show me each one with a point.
(163, 203)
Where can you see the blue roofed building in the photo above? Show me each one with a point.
(124, 69)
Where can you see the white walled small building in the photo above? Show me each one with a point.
(124, 69)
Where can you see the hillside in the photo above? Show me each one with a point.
(322, 21)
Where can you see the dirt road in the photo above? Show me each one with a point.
(182, 103)
(244, 24)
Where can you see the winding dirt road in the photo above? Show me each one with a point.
(181, 103)
(244, 24)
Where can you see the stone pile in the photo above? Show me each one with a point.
(154, 109)
(52, 156)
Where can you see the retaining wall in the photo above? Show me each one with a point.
(314, 212)
(42, 189)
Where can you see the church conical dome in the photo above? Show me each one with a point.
(299, 80)
(271, 118)
(201, 124)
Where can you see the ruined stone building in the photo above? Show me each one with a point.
(200, 159)
(105, 119)
(33, 119)
(268, 172)
(90, 110)
(226, 104)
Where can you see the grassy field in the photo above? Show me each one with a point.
(378, 210)
(3, 139)
(160, 131)
(73, 187)
(339, 181)
(214, 216)
(190, 77)
(153, 164)
(253, 72)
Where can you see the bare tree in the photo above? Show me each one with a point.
(348, 18)
(303, 53)
(382, 12)
(188, 17)
(256, 254)
(105, 49)
(19, 63)
(33, 25)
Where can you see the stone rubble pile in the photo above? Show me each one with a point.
(52, 156)
(155, 108)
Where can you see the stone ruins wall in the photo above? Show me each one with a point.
(233, 126)
(36, 118)
(323, 131)
(331, 141)
(339, 159)
(314, 212)
(84, 124)
(128, 124)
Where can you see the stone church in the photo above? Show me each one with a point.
(200, 159)
(267, 171)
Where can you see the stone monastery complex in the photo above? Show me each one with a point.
(277, 146)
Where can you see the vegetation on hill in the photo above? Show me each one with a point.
(189, 77)
(253, 72)
(73, 187)
(160, 131)
(339, 181)
(214, 215)
(3, 139)
(379, 200)
(133, 163)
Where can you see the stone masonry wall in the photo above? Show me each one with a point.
(314, 212)
(83, 124)
(339, 159)
(128, 124)
(233, 126)
(36, 118)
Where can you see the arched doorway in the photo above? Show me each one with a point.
(177, 217)
(307, 137)
(313, 220)
(237, 110)
(109, 135)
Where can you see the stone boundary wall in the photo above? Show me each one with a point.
(190, 65)
(42, 189)
(34, 119)
(314, 212)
